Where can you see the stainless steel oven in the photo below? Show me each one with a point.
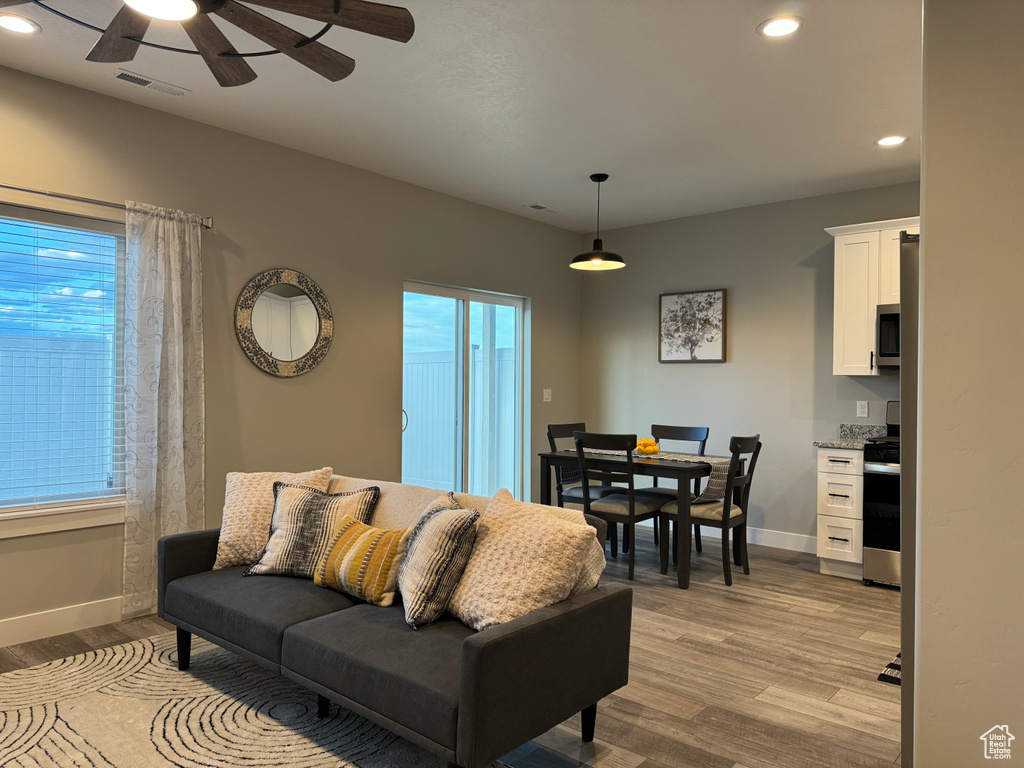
(882, 503)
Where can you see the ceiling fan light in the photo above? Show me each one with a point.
(165, 10)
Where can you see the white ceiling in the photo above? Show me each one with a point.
(513, 102)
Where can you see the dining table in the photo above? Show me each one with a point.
(684, 472)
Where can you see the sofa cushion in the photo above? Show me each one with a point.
(251, 613)
(370, 655)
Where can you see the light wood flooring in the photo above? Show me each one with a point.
(777, 671)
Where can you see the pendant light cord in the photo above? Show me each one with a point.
(599, 210)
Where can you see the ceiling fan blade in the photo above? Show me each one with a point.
(113, 46)
(388, 21)
(211, 43)
(321, 59)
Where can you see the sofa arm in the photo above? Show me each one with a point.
(183, 554)
(522, 678)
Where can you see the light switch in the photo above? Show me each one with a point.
(862, 409)
(547, 395)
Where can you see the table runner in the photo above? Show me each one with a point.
(717, 481)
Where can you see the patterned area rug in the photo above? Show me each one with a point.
(129, 707)
(893, 672)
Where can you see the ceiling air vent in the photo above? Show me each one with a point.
(150, 84)
(544, 208)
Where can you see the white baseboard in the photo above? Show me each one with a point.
(794, 542)
(33, 626)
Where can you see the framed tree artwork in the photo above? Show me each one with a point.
(692, 327)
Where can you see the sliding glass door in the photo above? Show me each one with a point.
(462, 390)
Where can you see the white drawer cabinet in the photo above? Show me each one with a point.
(840, 461)
(840, 495)
(840, 512)
(867, 273)
(840, 538)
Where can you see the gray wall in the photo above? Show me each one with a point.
(970, 615)
(776, 263)
(357, 234)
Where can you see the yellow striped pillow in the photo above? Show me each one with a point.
(363, 561)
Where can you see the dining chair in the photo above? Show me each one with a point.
(729, 513)
(567, 479)
(623, 505)
(698, 435)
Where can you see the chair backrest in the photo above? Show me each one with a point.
(592, 475)
(737, 489)
(564, 475)
(697, 435)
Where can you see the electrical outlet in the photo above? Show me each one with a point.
(862, 409)
(547, 395)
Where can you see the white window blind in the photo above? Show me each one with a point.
(61, 426)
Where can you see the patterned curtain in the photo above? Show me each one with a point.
(163, 391)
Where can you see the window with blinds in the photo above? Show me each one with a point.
(61, 428)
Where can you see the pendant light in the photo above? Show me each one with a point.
(598, 259)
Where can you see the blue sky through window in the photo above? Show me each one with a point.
(430, 324)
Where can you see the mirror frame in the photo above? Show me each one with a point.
(284, 369)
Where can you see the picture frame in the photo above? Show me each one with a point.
(691, 327)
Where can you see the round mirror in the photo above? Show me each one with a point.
(283, 322)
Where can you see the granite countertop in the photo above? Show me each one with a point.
(853, 436)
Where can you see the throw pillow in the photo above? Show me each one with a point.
(303, 525)
(248, 509)
(439, 548)
(524, 559)
(593, 561)
(363, 561)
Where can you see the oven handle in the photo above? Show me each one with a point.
(881, 469)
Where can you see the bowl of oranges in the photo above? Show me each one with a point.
(647, 447)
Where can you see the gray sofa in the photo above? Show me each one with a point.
(467, 696)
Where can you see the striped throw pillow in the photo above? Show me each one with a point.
(441, 543)
(363, 561)
(303, 524)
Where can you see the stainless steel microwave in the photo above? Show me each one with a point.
(887, 342)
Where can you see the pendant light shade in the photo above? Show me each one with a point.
(598, 259)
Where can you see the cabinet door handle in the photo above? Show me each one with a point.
(872, 361)
(838, 461)
(839, 496)
(833, 538)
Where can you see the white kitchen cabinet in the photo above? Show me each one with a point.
(867, 273)
(840, 512)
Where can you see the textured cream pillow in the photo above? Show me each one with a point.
(523, 559)
(249, 508)
(593, 559)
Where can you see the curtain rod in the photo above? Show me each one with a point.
(207, 222)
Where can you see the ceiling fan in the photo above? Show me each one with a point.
(123, 36)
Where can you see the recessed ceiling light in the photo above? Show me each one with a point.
(890, 141)
(166, 10)
(18, 24)
(780, 26)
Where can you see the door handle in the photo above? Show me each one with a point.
(839, 496)
(872, 360)
(405, 420)
(838, 461)
(833, 538)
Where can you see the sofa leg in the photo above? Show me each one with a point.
(184, 649)
(323, 706)
(589, 719)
